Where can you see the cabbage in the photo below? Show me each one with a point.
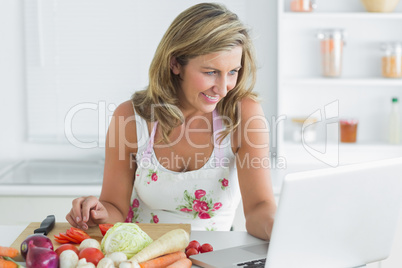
(125, 237)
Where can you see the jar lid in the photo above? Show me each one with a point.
(331, 34)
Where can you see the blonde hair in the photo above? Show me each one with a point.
(201, 29)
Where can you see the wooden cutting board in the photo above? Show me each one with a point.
(152, 229)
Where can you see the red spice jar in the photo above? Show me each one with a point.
(348, 130)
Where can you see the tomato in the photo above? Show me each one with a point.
(206, 248)
(104, 227)
(194, 244)
(61, 241)
(77, 234)
(93, 255)
(64, 247)
(64, 236)
(191, 251)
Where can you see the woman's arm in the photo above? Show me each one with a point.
(118, 177)
(253, 168)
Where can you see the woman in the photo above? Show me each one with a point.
(189, 146)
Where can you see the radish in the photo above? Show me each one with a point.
(172, 241)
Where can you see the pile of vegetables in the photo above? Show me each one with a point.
(124, 245)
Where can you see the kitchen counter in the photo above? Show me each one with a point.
(70, 178)
(51, 178)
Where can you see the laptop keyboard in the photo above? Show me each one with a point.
(253, 264)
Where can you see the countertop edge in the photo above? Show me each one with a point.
(49, 190)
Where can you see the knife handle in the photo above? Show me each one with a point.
(47, 225)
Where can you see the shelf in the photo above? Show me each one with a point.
(322, 81)
(343, 15)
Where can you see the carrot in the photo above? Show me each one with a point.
(8, 252)
(7, 264)
(164, 260)
(172, 241)
(182, 263)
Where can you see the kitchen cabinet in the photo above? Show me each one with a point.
(360, 92)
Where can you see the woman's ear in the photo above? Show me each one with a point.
(175, 66)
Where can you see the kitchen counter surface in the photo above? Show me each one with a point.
(70, 178)
(84, 177)
(51, 178)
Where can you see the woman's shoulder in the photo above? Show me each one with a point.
(252, 119)
(250, 107)
(124, 109)
(124, 122)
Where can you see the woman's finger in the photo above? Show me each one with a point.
(77, 210)
(70, 219)
(89, 203)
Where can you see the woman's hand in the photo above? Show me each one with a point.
(87, 211)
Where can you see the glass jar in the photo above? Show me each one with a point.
(302, 5)
(392, 60)
(348, 130)
(332, 42)
(304, 129)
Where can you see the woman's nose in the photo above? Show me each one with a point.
(221, 87)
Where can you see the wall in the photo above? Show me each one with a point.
(13, 143)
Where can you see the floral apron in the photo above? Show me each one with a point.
(206, 198)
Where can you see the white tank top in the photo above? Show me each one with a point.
(206, 198)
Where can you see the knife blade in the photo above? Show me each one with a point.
(46, 225)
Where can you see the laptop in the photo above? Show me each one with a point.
(336, 217)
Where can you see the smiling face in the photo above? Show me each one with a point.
(206, 79)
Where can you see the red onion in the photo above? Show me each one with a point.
(39, 240)
(39, 257)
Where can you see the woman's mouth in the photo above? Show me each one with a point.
(210, 98)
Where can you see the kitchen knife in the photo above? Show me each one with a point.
(46, 226)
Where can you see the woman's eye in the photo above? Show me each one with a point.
(211, 73)
(233, 72)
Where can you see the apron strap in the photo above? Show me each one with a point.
(148, 152)
(218, 150)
